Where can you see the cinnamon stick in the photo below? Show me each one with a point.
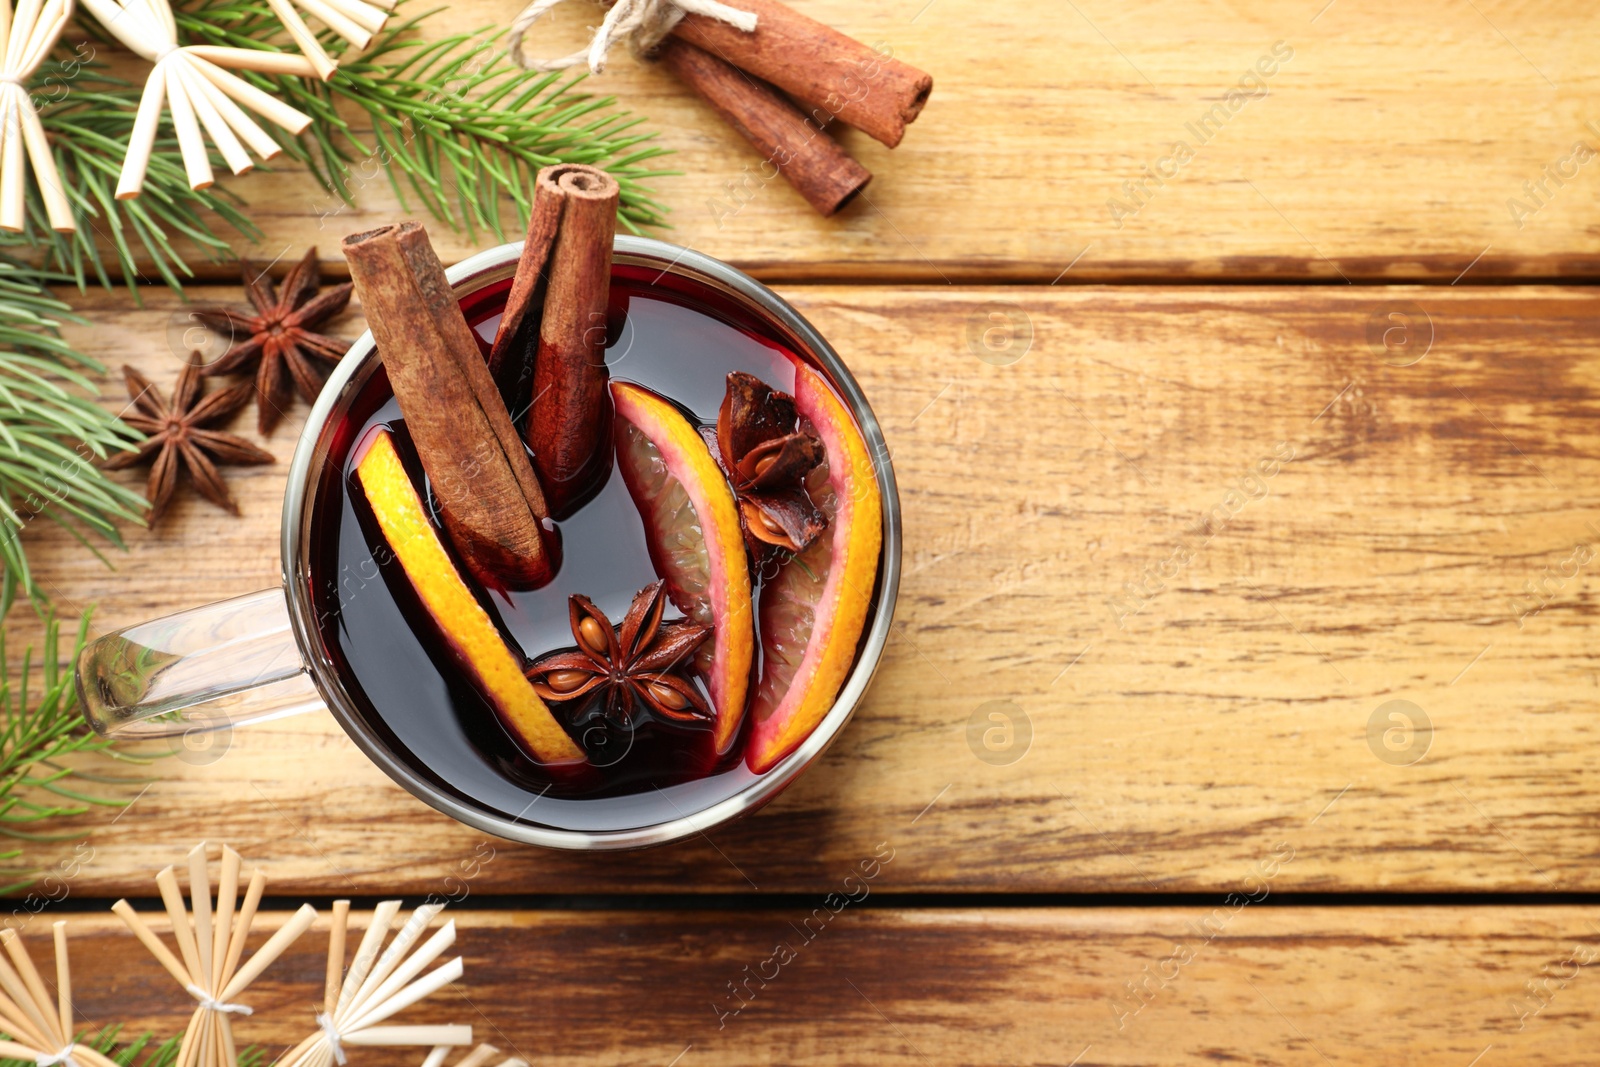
(795, 147)
(569, 422)
(489, 499)
(832, 74)
(527, 291)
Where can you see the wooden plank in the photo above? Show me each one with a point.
(1199, 985)
(1384, 154)
(1105, 537)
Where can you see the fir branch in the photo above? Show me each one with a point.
(52, 434)
(37, 732)
(453, 121)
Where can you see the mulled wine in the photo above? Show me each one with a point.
(696, 618)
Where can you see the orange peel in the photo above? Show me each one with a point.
(469, 633)
(711, 587)
(815, 607)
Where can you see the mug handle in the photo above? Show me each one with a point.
(223, 665)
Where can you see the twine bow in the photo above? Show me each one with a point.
(210, 1003)
(642, 23)
(54, 1058)
(330, 1033)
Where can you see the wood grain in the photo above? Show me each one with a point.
(1256, 984)
(1201, 648)
(1387, 147)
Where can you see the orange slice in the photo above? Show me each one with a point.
(469, 633)
(814, 608)
(692, 525)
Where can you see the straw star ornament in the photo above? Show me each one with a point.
(377, 986)
(40, 1029)
(26, 37)
(211, 943)
(481, 1056)
(354, 20)
(197, 85)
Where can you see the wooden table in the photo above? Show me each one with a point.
(1199, 478)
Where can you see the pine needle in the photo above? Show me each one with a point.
(38, 730)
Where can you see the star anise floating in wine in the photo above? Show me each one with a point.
(180, 435)
(278, 340)
(768, 457)
(633, 664)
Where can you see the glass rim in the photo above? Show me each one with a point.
(311, 453)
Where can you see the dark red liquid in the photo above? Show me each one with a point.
(665, 334)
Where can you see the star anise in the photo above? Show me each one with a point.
(768, 457)
(278, 339)
(179, 435)
(632, 664)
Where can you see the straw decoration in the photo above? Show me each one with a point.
(211, 942)
(40, 1029)
(354, 20)
(378, 985)
(196, 83)
(25, 39)
(478, 1057)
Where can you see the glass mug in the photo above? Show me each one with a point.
(262, 656)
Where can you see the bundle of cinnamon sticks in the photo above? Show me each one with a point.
(462, 409)
(783, 83)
